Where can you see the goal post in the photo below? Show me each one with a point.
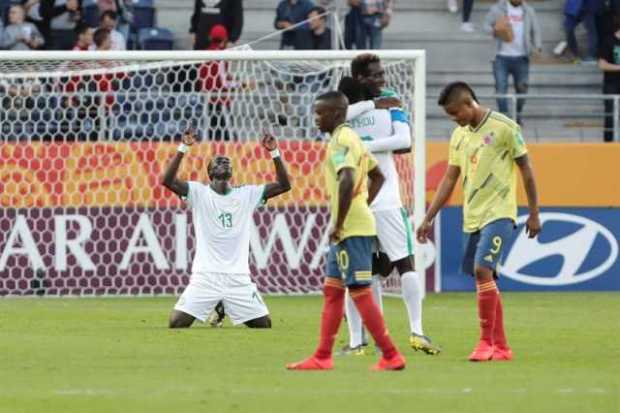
(85, 136)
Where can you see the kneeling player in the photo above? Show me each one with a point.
(222, 216)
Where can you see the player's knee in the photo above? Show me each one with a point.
(483, 274)
(261, 322)
(178, 321)
(522, 88)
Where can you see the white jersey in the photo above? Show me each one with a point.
(222, 226)
(373, 125)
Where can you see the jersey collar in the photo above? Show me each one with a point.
(482, 122)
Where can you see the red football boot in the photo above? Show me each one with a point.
(395, 363)
(312, 363)
(482, 352)
(502, 354)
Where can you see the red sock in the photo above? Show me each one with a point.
(333, 311)
(499, 335)
(487, 305)
(373, 320)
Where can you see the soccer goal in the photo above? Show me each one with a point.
(85, 137)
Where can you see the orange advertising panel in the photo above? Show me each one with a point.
(566, 174)
(129, 174)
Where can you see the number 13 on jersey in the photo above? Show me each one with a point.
(225, 219)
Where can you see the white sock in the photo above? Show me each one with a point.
(412, 296)
(354, 322)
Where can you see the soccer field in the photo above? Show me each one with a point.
(116, 355)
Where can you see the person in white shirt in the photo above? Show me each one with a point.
(222, 217)
(108, 21)
(384, 127)
(515, 27)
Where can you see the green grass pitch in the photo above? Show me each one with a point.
(116, 355)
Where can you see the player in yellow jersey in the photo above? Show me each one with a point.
(485, 148)
(348, 166)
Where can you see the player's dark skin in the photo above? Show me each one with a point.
(329, 114)
(220, 172)
(464, 110)
(373, 81)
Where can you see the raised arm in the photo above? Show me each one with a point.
(446, 187)
(170, 180)
(282, 184)
(532, 225)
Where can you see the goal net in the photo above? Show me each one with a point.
(84, 143)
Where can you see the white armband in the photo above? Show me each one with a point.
(275, 153)
(183, 148)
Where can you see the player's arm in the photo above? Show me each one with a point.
(359, 108)
(376, 182)
(399, 140)
(345, 197)
(532, 226)
(283, 183)
(449, 180)
(170, 180)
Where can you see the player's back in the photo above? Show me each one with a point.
(346, 150)
(486, 156)
(222, 224)
(371, 126)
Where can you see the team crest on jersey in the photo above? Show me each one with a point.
(489, 139)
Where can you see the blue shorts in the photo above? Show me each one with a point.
(484, 248)
(351, 261)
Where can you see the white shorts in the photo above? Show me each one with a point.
(242, 301)
(394, 233)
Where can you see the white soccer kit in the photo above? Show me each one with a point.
(384, 131)
(220, 271)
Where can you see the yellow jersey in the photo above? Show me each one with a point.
(346, 150)
(486, 157)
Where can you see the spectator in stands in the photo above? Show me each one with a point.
(108, 22)
(123, 10)
(84, 38)
(19, 34)
(288, 14)
(468, 6)
(33, 15)
(514, 25)
(582, 11)
(609, 63)
(217, 83)
(63, 17)
(319, 37)
(208, 13)
(102, 39)
(365, 23)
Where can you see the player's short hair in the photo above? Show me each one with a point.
(359, 65)
(351, 88)
(335, 97)
(111, 14)
(454, 91)
(100, 35)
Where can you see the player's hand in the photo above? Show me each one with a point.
(532, 226)
(387, 103)
(189, 137)
(385, 20)
(423, 231)
(269, 142)
(334, 235)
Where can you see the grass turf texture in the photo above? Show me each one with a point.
(116, 355)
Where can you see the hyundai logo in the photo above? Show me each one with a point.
(574, 249)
